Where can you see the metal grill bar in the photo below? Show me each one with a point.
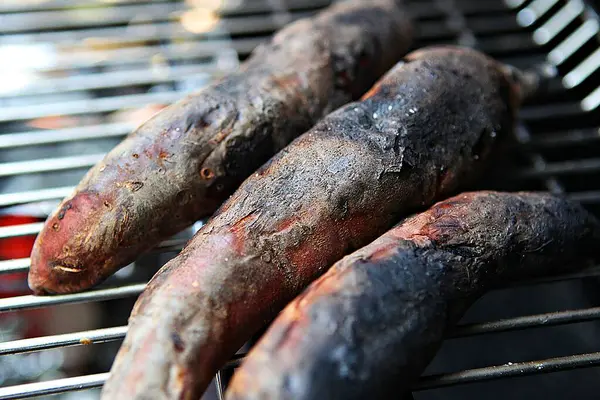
(20, 230)
(558, 22)
(49, 164)
(571, 44)
(10, 199)
(125, 14)
(35, 138)
(529, 321)
(428, 382)
(15, 265)
(107, 80)
(156, 31)
(562, 168)
(180, 51)
(52, 387)
(29, 302)
(509, 370)
(69, 339)
(19, 6)
(117, 333)
(88, 106)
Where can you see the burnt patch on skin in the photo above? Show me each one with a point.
(178, 343)
(63, 210)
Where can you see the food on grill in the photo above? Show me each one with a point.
(184, 162)
(425, 127)
(371, 324)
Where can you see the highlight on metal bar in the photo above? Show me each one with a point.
(591, 101)
(558, 22)
(561, 168)
(49, 164)
(104, 80)
(14, 265)
(219, 386)
(534, 11)
(124, 14)
(35, 138)
(29, 301)
(157, 31)
(32, 196)
(12, 231)
(529, 321)
(509, 370)
(52, 387)
(583, 70)
(88, 106)
(574, 41)
(68, 339)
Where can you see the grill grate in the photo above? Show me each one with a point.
(84, 73)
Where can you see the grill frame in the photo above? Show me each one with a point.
(540, 21)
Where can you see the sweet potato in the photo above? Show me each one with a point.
(370, 325)
(426, 126)
(184, 162)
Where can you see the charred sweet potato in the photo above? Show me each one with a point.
(372, 323)
(427, 126)
(185, 161)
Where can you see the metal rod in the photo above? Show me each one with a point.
(142, 55)
(36, 138)
(29, 302)
(427, 382)
(562, 168)
(509, 370)
(15, 265)
(155, 31)
(529, 321)
(24, 6)
(20, 230)
(69, 339)
(11, 199)
(114, 79)
(219, 386)
(87, 106)
(45, 165)
(125, 14)
(52, 387)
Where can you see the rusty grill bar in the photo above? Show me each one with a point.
(562, 35)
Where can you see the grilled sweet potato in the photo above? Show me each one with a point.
(427, 126)
(372, 323)
(184, 162)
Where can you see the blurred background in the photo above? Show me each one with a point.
(78, 75)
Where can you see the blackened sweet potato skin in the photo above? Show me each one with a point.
(372, 323)
(185, 161)
(427, 126)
